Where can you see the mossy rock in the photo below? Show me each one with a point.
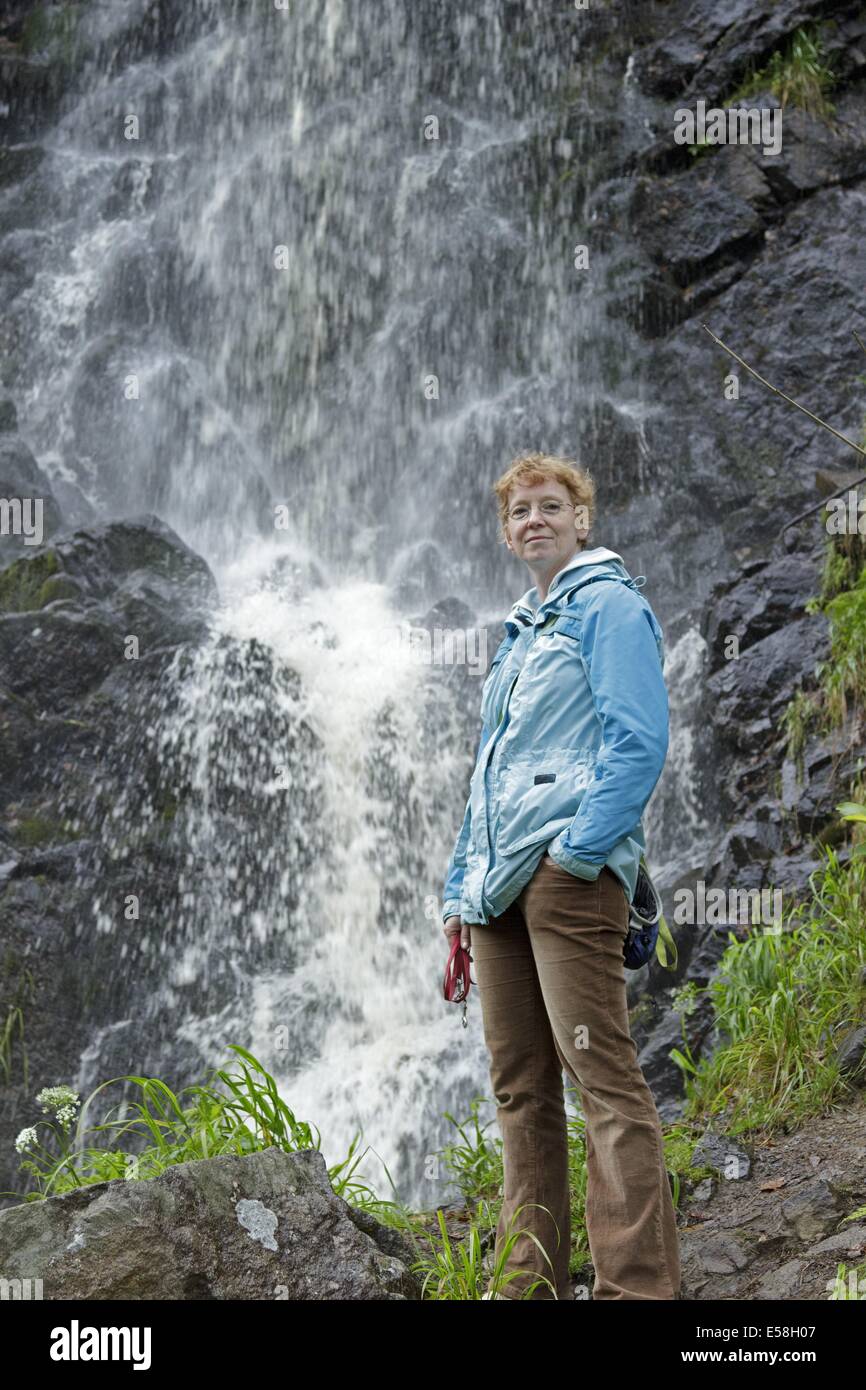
(50, 33)
(699, 1173)
(39, 830)
(103, 558)
(32, 582)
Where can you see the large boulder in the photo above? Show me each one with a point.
(257, 1226)
(66, 611)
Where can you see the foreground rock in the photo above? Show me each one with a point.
(259, 1226)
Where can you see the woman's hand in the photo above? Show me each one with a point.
(456, 926)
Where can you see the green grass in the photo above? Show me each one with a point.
(797, 75)
(783, 1001)
(849, 1283)
(801, 714)
(247, 1116)
(843, 564)
(16, 996)
(841, 678)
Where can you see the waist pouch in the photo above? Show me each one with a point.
(644, 925)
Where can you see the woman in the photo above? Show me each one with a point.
(574, 737)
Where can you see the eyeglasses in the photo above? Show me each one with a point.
(521, 511)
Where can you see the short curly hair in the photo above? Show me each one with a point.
(534, 468)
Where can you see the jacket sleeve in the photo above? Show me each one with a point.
(457, 863)
(623, 665)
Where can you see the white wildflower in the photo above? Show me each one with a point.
(61, 1099)
(26, 1139)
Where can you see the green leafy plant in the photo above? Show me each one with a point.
(843, 675)
(249, 1115)
(854, 811)
(684, 1001)
(698, 148)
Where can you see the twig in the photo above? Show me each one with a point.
(789, 399)
(823, 502)
(818, 421)
(859, 339)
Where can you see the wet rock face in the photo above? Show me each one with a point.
(68, 609)
(42, 46)
(697, 229)
(131, 734)
(696, 46)
(771, 807)
(80, 620)
(75, 695)
(262, 1226)
(762, 645)
(764, 250)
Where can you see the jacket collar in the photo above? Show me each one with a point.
(523, 612)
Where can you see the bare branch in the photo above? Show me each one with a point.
(824, 500)
(789, 399)
(776, 392)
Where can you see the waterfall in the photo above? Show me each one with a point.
(303, 284)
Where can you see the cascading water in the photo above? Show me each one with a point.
(329, 283)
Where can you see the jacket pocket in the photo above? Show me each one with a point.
(536, 797)
(569, 627)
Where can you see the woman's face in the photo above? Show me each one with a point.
(536, 533)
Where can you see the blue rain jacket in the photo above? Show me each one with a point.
(574, 736)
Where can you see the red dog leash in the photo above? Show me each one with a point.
(458, 980)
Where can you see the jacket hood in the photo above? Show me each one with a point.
(525, 609)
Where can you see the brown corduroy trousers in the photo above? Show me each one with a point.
(551, 980)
